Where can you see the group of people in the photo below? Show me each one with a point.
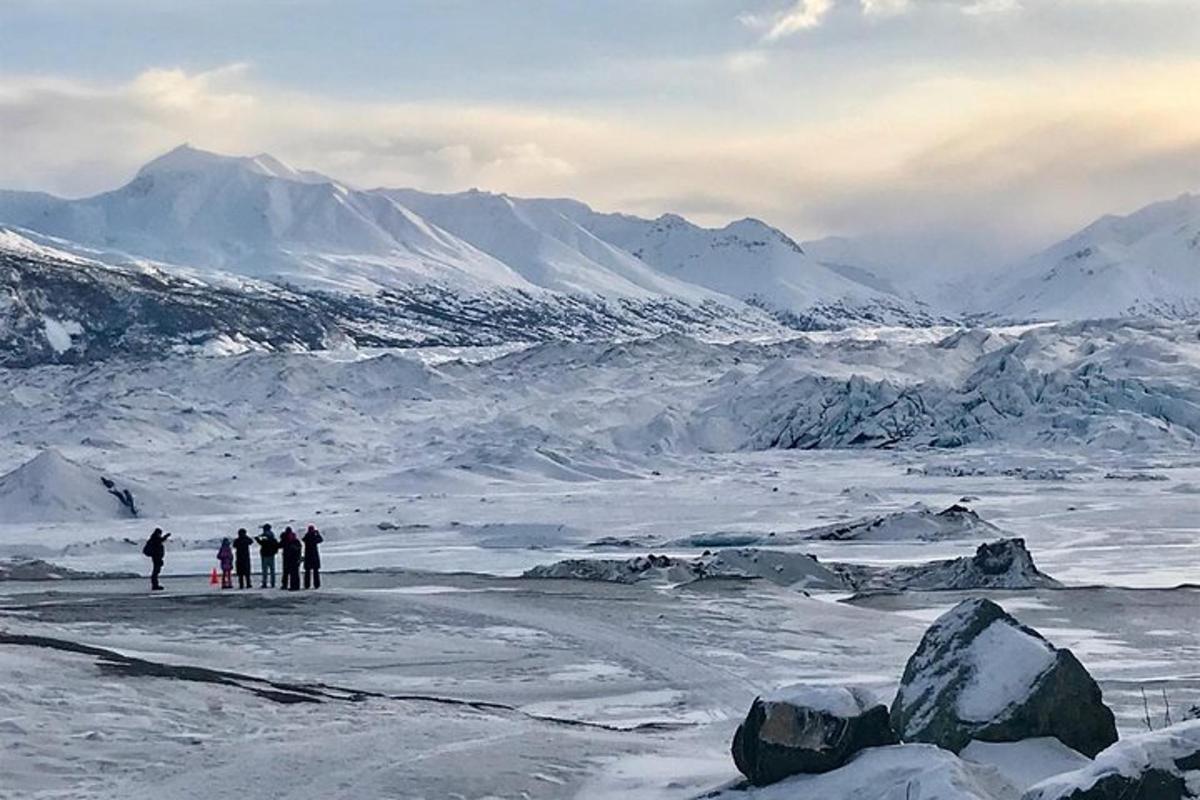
(234, 555)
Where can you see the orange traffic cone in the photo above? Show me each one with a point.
(213, 581)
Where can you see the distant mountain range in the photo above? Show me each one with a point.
(202, 250)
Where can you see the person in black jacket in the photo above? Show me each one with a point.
(290, 543)
(268, 546)
(156, 550)
(312, 557)
(241, 549)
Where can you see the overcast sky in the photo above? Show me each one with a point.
(977, 127)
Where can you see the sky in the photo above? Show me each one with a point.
(946, 134)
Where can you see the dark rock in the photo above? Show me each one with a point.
(808, 730)
(980, 674)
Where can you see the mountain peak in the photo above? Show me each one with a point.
(185, 158)
(188, 159)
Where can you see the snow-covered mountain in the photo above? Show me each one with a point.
(1146, 263)
(565, 245)
(258, 217)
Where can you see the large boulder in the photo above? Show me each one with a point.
(1162, 765)
(978, 674)
(808, 729)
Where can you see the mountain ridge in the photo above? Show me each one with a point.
(257, 216)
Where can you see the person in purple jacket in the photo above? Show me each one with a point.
(225, 558)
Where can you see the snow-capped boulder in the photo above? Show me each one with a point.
(1161, 765)
(980, 674)
(1003, 564)
(808, 729)
(899, 772)
(916, 524)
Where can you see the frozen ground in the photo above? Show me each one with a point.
(450, 478)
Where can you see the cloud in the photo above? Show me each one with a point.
(802, 15)
(885, 8)
(1008, 160)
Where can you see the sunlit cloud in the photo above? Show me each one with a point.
(802, 15)
(1012, 160)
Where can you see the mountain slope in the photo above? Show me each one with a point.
(61, 307)
(1146, 263)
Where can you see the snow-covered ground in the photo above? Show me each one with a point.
(448, 474)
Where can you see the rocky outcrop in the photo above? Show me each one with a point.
(1150, 766)
(979, 674)
(1003, 564)
(808, 729)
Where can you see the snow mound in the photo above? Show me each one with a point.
(891, 772)
(52, 488)
(920, 524)
(1026, 762)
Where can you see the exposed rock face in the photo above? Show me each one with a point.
(1003, 564)
(805, 729)
(1161, 765)
(979, 674)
